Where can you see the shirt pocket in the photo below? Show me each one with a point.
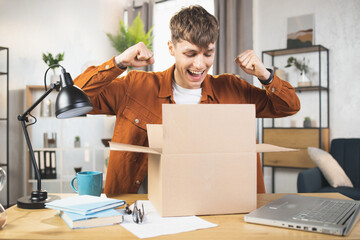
(131, 125)
(136, 118)
(131, 129)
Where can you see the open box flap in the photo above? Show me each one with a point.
(263, 147)
(155, 135)
(132, 148)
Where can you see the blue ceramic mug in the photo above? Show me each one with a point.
(88, 183)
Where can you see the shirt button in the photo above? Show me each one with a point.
(273, 89)
(107, 67)
(137, 120)
(137, 182)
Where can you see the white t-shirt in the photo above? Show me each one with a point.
(186, 96)
(181, 96)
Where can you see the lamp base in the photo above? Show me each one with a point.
(27, 203)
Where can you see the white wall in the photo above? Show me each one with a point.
(337, 28)
(30, 28)
(77, 28)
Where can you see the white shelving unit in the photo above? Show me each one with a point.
(91, 155)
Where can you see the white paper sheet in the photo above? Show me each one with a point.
(154, 225)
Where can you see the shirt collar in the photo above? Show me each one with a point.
(166, 85)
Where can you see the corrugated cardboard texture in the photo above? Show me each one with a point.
(202, 184)
(155, 136)
(205, 128)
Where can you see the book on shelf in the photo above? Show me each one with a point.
(84, 204)
(98, 219)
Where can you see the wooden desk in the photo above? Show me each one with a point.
(47, 224)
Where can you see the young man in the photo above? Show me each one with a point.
(136, 99)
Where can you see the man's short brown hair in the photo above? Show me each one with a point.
(195, 25)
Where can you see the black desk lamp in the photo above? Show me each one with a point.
(70, 102)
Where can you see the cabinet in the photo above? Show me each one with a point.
(90, 155)
(4, 118)
(314, 99)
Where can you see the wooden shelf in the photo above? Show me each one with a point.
(287, 51)
(310, 88)
(298, 138)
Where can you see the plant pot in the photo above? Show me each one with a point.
(307, 123)
(77, 143)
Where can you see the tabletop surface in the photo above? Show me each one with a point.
(47, 224)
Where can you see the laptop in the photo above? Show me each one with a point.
(312, 214)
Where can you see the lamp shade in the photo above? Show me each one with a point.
(72, 102)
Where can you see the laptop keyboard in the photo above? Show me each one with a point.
(327, 211)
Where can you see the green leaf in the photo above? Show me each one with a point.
(300, 65)
(128, 36)
(50, 60)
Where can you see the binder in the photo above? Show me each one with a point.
(47, 165)
(53, 164)
(37, 160)
(42, 164)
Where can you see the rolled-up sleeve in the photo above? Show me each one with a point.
(102, 85)
(279, 100)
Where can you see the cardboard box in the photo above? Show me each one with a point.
(202, 159)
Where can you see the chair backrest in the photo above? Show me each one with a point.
(347, 152)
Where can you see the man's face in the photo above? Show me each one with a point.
(191, 63)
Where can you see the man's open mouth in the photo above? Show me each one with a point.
(195, 73)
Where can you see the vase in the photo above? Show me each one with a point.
(304, 81)
(54, 78)
(45, 108)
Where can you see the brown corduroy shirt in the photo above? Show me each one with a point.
(136, 99)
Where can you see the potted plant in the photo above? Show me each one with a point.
(303, 67)
(50, 61)
(128, 36)
(77, 141)
(307, 122)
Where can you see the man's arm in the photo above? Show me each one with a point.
(251, 64)
(101, 84)
(135, 56)
(279, 98)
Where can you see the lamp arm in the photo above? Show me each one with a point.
(32, 156)
(23, 118)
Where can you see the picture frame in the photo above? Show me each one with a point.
(300, 31)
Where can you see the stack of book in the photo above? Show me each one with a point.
(86, 211)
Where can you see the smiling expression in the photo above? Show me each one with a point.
(192, 63)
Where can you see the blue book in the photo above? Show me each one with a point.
(84, 204)
(103, 218)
